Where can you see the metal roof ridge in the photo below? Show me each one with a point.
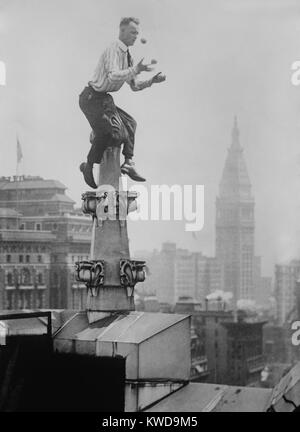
(64, 325)
(108, 327)
(215, 401)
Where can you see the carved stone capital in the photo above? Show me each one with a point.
(131, 272)
(89, 204)
(91, 273)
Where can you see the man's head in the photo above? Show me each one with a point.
(129, 30)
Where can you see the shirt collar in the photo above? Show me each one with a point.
(122, 46)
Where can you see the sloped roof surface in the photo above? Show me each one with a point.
(202, 397)
(133, 327)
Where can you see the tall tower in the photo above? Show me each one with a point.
(235, 224)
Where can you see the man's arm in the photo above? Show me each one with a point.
(140, 85)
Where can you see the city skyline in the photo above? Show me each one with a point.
(238, 62)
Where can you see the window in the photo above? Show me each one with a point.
(8, 258)
(25, 277)
(9, 279)
(28, 258)
(40, 279)
(20, 258)
(55, 278)
(41, 299)
(40, 258)
(38, 227)
(22, 226)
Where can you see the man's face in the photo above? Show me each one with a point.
(129, 33)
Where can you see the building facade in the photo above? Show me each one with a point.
(285, 290)
(42, 235)
(234, 349)
(175, 273)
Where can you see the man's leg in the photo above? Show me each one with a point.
(130, 127)
(128, 149)
(98, 145)
(91, 106)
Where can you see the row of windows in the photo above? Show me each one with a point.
(24, 278)
(7, 227)
(25, 299)
(79, 258)
(36, 227)
(75, 258)
(21, 248)
(80, 228)
(24, 258)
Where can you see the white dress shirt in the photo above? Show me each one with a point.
(112, 70)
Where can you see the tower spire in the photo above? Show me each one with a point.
(235, 224)
(235, 134)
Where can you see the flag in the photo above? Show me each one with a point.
(19, 151)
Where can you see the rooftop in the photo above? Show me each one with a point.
(134, 327)
(30, 182)
(200, 397)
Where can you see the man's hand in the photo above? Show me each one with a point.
(143, 67)
(158, 78)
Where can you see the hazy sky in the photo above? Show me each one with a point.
(221, 58)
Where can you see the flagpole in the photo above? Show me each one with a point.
(19, 157)
(17, 186)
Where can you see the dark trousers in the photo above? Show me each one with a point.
(111, 125)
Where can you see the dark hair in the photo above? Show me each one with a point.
(128, 20)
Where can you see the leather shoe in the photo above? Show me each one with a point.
(87, 170)
(129, 169)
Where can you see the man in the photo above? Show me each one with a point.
(110, 124)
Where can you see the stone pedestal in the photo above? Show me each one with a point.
(110, 275)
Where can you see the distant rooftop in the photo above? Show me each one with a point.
(29, 182)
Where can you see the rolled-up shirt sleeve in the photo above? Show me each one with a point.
(139, 85)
